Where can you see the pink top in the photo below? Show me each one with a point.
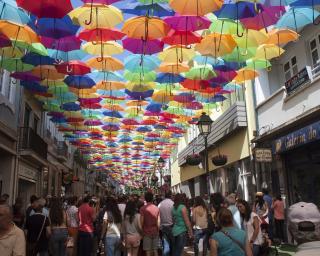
(86, 218)
(278, 208)
(150, 212)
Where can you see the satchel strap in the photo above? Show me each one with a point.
(44, 221)
(234, 240)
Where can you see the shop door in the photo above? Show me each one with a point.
(25, 190)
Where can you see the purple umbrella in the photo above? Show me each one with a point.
(269, 16)
(25, 76)
(138, 46)
(92, 122)
(188, 23)
(88, 101)
(66, 44)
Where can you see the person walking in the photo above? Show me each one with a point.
(166, 223)
(59, 231)
(268, 199)
(10, 234)
(231, 200)
(261, 208)
(86, 215)
(278, 209)
(150, 223)
(230, 240)
(182, 225)
(18, 213)
(131, 227)
(111, 228)
(73, 222)
(250, 223)
(200, 221)
(38, 231)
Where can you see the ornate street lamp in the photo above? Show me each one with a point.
(204, 125)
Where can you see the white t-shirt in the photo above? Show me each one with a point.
(165, 208)
(72, 213)
(113, 229)
(248, 227)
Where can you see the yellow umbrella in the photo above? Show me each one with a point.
(251, 38)
(110, 85)
(281, 36)
(17, 32)
(111, 119)
(115, 107)
(11, 52)
(47, 72)
(136, 87)
(195, 7)
(245, 74)
(81, 92)
(145, 28)
(175, 68)
(102, 48)
(137, 103)
(216, 45)
(99, 16)
(75, 114)
(177, 53)
(105, 64)
(268, 51)
(162, 96)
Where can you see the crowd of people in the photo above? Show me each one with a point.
(140, 225)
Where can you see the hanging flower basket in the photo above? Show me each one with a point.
(219, 160)
(193, 160)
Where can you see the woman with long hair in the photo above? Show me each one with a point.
(132, 228)
(111, 227)
(182, 224)
(250, 223)
(59, 231)
(260, 207)
(200, 224)
(73, 222)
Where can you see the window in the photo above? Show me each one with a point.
(27, 114)
(7, 88)
(315, 50)
(36, 124)
(290, 68)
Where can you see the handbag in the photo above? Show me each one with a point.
(32, 249)
(234, 240)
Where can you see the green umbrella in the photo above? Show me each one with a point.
(258, 63)
(200, 73)
(58, 89)
(140, 77)
(52, 107)
(240, 54)
(225, 26)
(37, 48)
(15, 65)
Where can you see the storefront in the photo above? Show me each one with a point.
(299, 152)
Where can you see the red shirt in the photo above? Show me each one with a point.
(150, 214)
(86, 213)
(278, 209)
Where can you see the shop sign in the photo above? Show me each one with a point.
(297, 138)
(263, 155)
(28, 172)
(297, 81)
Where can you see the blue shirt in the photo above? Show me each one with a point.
(227, 247)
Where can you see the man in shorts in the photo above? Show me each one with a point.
(150, 223)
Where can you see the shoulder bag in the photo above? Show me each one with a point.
(234, 240)
(33, 247)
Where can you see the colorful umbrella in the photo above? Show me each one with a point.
(198, 7)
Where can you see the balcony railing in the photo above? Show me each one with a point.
(62, 149)
(30, 140)
(316, 70)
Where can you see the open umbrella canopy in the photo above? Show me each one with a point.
(122, 81)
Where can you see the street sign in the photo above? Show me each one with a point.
(263, 155)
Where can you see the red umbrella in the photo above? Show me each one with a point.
(181, 37)
(101, 34)
(73, 67)
(46, 8)
(195, 84)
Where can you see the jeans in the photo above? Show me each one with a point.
(58, 241)
(167, 240)
(179, 243)
(279, 229)
(111, 246)
(256, 250)
(85, 243)
(198, 234)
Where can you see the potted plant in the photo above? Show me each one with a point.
(219, 160)
(194, 159)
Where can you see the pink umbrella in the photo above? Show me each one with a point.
(130, 122)
(269, 16)
(93, 122)
(88, 101)
(28, 76)
(139, 46)
(68, 43)
(193, 105)
(188, 23)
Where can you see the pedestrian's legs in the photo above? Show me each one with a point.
(179, 243)
(167, 240)
(278, 228)
(281, 231)
(111, 243)
(197, 236)
(85, 243)
(256, 250)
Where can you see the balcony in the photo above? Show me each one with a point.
(62, 151)
(31, 144)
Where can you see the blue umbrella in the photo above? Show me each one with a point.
(139, 63)
(228, 66)
(79, 82)
(98, 76)
(67, 56)
(33, 86)
(113, 93)
(9, 11)
(152, 9)
(139, 95)
(36, 59)
(169, 78)
(297, 18)
(71, 106)
(58, 120)
(143, 129)
(115, 114)
(154, 107)
(54, 28)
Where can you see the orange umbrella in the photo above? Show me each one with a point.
(114, 107)
(245, 74)
(281, 36)
(110, 85)
(195, 7)
(145, 28)
(216, 44)
(175, 68)
(17, 32)
(162, 96)
(105, 64)
(47, 72)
